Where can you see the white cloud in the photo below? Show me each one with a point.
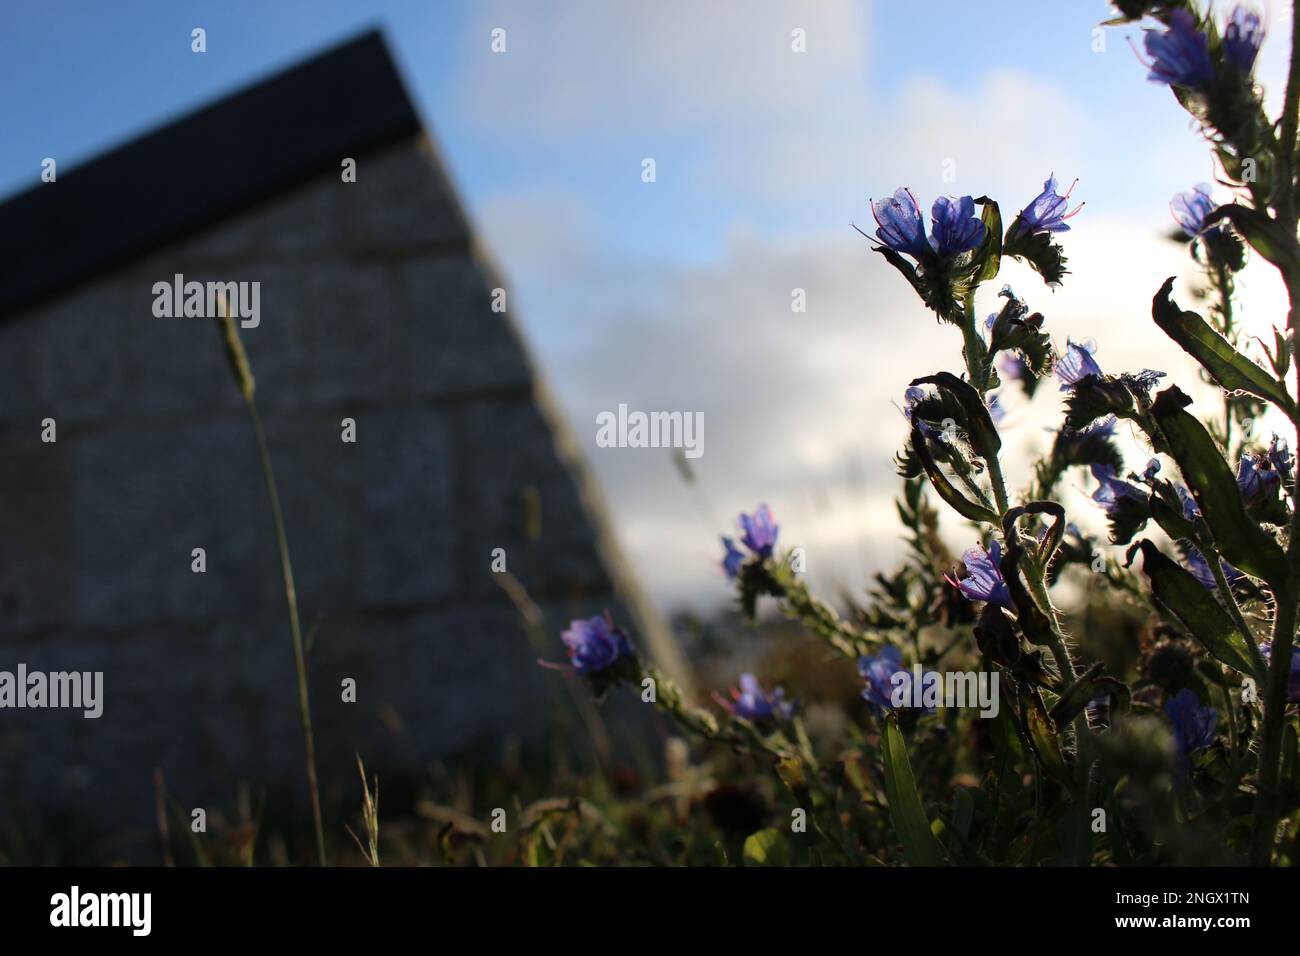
(799, 407)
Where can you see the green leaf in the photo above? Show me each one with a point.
(942, 486)
(766, 848)
(920, 846)
(1014, 330)
(1237, 535)
(984, 436)
(1090, 685)
(1171, 520)
(1124, 396)
(1042, 734)
(1266, 235)
(1034, 623)
(988, 259)
(1074, 700)
(1193, 604)
(1281, 356)
(1228, 367)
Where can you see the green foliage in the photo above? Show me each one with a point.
(1142, 725)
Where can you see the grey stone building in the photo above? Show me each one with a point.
(375, 306)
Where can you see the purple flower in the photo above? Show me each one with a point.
(1293, 681)
(879, 674)
(956, 228)
(1101, 427)
(595, 644)
(1146, 379)
(1256, 477)
(901, 226)
(1200, 569)
(1111, 489)
(1243, 37)
(1191, 510)
(983, 581)
(1180, 56)
(759, 538)
(1193, 724)
(734, 557)
(911, 397)
(760, 531)
(751, 702)
(1076, 364)
(1046, 212)
(996, 411)
(1280, 458)
(1014, 367)
(1191, 207)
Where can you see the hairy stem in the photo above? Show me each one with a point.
(1215, 562)
(1284, 617)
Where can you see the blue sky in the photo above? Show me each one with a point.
(675, 295)
(85, 76)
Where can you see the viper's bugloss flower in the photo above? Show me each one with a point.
(996, 411)
(983, 581)
(1243, 37)
(1046, 211)
(759, 537)
(1180, 55)
(1293, 679)
(751, 702)
(760, 531)
(733, 558)
(1102, 427)
(901, 226)
(1194, 725)
(1014, 367)
(1191, 207)
(956, 228)
(1076, 364)
(1112, 490)
(1200, 569)
(1256, 477)
(913, 395)
(595, 644)
(1191, 510)
(1145, 380)
(1279, 455)
(878, 672)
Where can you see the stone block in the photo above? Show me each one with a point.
(457, 344)
(401, 200)
(143, 499)
(409, 550)
(36, 540)
(78, 353)
(506, 458)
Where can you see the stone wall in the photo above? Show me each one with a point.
(375, 306)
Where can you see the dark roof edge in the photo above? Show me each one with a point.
(201, 168)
